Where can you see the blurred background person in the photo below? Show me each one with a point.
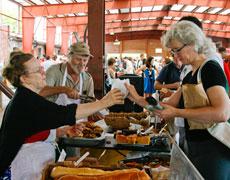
(168, 79)
(226, 59)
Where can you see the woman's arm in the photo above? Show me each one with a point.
(218, 111)
(113, 97)
(134, 96)
(140, 69)
(112, 73)
(174, 99)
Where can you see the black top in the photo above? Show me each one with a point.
(211, 75)
(26, 114)
(169, 74)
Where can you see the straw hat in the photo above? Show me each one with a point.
(79, 48)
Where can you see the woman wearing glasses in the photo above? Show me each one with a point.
(201, 100)
(28, 113)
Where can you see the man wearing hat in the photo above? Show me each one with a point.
(67, 80)
(70, 78)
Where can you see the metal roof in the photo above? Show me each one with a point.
(139, 15)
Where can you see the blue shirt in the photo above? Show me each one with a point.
(169, 74)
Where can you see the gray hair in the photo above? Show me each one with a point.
(189, 33)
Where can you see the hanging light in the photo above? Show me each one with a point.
(116, 42)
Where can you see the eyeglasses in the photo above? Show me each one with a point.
(176, 51)
(39, 70)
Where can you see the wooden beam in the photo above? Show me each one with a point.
(96, 33)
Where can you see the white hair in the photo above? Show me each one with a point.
(189, 33)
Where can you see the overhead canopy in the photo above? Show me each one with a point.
(134, 15)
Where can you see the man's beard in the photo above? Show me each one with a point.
(75, 68)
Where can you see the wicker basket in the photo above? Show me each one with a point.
(117, 122)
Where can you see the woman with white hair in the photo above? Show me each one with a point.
(201, 100)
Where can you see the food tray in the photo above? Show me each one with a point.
(159, 143)
(79, 141)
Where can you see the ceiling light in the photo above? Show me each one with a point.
(189, 8)
(176, 7)
(225, 12)
(136, 9)
(111, 33)
(167, 17)
(124, 10)
(152, 18)
(157, 8)
(214, 10)
(81, 14)
(202, 9)
(117, 20)
(72, 15)
(113, 11)
(147, 8)
(144, 18)
(207, 21)
(116, 42)
(158, 50)
(60, 15)
(217, 22)
(135, 19)
(177, 18)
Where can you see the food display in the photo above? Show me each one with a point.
(134, 138)
(122, 120)
(157, 167)
(86, 173)
(87, 130)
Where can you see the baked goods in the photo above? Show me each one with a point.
(132, 138)
(120, 121)
(88, 130)
(63, 173)
(117, 122)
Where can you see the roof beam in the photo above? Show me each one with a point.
(203, 16)
(156, 27)
(69, 8)
(68, 21)
(137, 3)
(55, 9)
(111, 17)
(218, 27)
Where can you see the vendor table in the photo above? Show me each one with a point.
(109, 143)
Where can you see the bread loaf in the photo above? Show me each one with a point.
(63, 173)
(60, 171)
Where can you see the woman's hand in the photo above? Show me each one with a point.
(167, 113)
(113, 97)
(133, 95)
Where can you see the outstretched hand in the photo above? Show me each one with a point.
(133, 95)
(114, 97)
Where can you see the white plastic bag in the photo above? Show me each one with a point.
(120, 84)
